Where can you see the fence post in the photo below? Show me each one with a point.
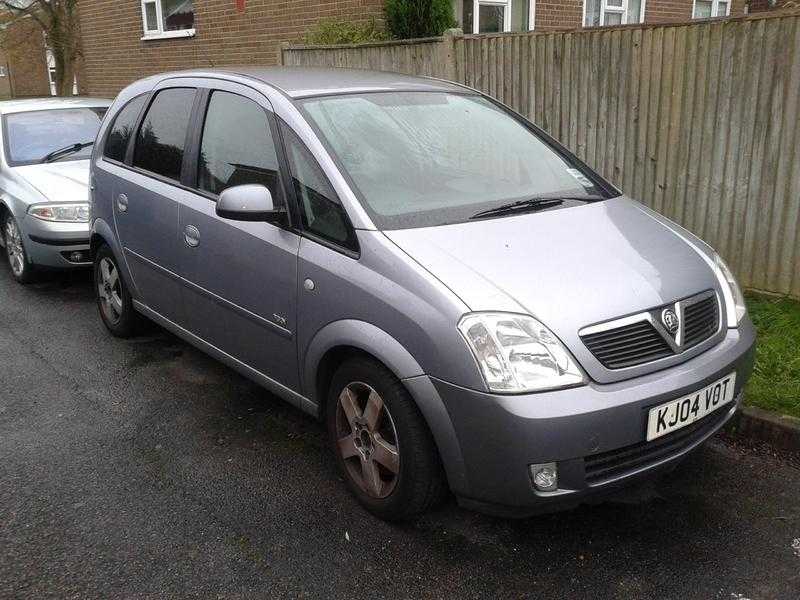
(448, 54)
(281, 49)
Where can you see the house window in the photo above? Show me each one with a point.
(707, 9)
(495, 16)
(167, 18)
(597, 13)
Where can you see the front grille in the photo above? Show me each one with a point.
(615, 463)
(700, 321)
(628, 346)
(645, 339)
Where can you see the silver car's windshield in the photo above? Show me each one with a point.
(31, 136)
(431, 158)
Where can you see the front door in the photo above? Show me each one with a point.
(145, 206)
(240, 278)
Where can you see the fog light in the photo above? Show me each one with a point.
(76, 256)
(545, 477)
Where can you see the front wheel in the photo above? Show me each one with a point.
(382, 443)
(21, 268)
(113, 298)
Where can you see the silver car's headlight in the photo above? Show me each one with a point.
(74, 212)
(736, 309)
(516, 353)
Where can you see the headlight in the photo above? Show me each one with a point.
(77, 212)
(516, 353)
(734, 300)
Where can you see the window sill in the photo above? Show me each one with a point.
(168, 35)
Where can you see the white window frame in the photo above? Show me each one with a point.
(623, 10)
(159, 33)
(714, 9)
(476, 4)
(532, 15)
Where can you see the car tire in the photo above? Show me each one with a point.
(21, 268)
(112, 295)
(382, 444)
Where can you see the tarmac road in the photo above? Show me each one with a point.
(143, 468)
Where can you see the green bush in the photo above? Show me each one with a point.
(333, 31)
(418, 18)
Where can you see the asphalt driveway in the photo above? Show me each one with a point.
(145, 469)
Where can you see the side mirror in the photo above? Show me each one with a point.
(251, 202)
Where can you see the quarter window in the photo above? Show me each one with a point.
(122, 130)
(612, 12)
(168, 18)
(237, 146)
(321, 212)
(161, 139)
(706, 9)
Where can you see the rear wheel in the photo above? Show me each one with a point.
(382, 443)
(21, 268)
(113, 298)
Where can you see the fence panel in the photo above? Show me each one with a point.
(699, 121)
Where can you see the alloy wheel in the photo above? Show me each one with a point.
(109, 290)
(16, 253)
(366, 439)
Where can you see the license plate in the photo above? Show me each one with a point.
(684, 411)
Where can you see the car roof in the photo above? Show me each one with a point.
(302, 82)
(31, 104)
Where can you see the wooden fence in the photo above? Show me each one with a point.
(699, 121)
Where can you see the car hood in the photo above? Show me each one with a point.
(569, 268)
(66, 181)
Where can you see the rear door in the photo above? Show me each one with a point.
(240, 278)
(146, 198)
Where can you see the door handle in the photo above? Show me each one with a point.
(122, 203)
(191, 235)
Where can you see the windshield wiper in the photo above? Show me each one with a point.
(528, 205)
(66, 151)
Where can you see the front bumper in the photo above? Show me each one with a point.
(499, 436)
(53, 245)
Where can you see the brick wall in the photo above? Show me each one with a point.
(23, 44)
(551, 14)
(115, 55)
(666, 11)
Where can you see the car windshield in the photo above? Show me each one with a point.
(30, 136)
(431, 158)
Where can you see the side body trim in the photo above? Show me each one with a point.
(273, 386)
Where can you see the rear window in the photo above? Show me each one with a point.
(161, 140)
(122, 130)
(30, 136)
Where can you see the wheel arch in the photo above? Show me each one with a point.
(338, 341)
(102, 233)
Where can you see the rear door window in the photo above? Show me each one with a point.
(161, 140)
(122, 130)
(237, 146)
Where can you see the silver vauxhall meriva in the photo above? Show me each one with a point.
(44, 170)
(465, 303)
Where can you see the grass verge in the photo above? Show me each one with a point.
(775, 384)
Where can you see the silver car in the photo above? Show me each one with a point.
(465, 304)
(44, 173)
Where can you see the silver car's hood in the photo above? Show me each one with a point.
(569, 268)
(66, 181)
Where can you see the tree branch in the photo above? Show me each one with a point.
(21, 9)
